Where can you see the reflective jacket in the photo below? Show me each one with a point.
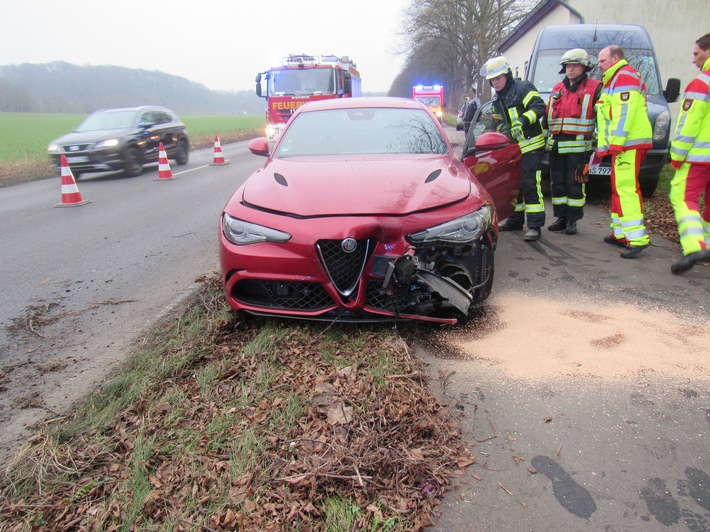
(522, 102)
(622, 119)
(692, 134)
(571, 117)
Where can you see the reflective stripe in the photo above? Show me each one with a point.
(696, 96)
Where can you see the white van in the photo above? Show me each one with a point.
(543, 71)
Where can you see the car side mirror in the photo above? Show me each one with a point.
(672, 90)
(347, 82)
(259, 146)
(491, 140)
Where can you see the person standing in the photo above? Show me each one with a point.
(521, 102)
(571, 121)
(471, 107)
(690, 157)
(624, 131)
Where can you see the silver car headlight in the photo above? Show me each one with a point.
(462, 230)
(242, 233)
(110, 143)
(53, 148)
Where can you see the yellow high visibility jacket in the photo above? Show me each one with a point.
(692, 134)
(622, 119)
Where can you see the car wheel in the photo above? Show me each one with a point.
(132, 164)
(76, 175)
(182, 153)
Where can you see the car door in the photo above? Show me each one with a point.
(151, 135)
(494, 157)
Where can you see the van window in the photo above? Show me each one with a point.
(547, 68)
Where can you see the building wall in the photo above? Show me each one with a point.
(673, 26)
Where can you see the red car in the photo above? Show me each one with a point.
(363, 213)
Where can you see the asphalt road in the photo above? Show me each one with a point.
(583, 389)
(77, 284)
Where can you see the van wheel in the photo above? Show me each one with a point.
(182, 153)
(132, 164)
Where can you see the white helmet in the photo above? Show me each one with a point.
(576, 56)
(494, 67)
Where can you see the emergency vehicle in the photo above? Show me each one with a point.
(432, 96)
(301, 79)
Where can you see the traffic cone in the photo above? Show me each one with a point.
(164, 171)
(218, 157)
(70, 192)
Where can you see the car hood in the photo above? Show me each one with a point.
(96, 135)
(389, 185)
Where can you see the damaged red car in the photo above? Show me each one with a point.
(362, 213)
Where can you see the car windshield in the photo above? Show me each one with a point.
(361, 131)
(302, 81)
(110, 120)
(431, 101)
(547, 68)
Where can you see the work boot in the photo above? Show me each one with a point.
(631, 252)
(687, 262)
(609, 239)
(510, 225)
(558, 225)
(571, 228)
(533, 234)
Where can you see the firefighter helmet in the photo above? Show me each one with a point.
(494, 67)
(576, 56)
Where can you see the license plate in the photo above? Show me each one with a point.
(78, 159)
(600, 170)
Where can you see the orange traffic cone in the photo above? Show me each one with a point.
(164, 171)
(70, 192)
(218, 157)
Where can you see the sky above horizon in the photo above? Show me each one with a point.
(222, 44)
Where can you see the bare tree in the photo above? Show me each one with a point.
(463, 33)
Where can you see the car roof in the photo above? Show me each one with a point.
(359, 102)
(135, 109)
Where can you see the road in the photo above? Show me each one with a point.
(78, 284)
(583, 389)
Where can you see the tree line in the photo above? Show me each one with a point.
(447, 42)
(61, 87)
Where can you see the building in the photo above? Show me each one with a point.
(673, 26)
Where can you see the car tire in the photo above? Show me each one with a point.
(76, 175)
(182, 152)
(132, 163)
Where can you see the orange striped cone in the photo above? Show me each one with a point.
(70, 192)
(218, 157)
(164, 171)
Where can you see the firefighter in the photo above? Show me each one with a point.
(690, 157)
(624, 132)
(571, 122)
(521, 102)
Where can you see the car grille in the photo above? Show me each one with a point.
(378, 298)
(283, 295)
(344, 269)
(75, 148)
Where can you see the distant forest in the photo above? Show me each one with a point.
(60, 87)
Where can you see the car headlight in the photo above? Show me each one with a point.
(110, 143)
(242, 233)
(663, 123)
(459, 231)
(439, 114)
(53, 148)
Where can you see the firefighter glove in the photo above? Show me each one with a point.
(549, 143)
(516, 130)
(676, 164)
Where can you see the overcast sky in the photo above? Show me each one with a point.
(222, 44)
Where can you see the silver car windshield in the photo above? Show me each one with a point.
(111, 120)
(548, 66)
(361, 131)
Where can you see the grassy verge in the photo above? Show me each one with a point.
(217, 424)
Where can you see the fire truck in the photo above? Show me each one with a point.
(301, 79)
(432, 96)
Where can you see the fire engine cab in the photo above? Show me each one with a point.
(301, 79)
(432, 96)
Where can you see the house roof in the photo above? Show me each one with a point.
(538, 12)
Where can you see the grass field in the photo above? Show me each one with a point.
(24, 136)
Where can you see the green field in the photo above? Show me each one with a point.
(24, 136)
